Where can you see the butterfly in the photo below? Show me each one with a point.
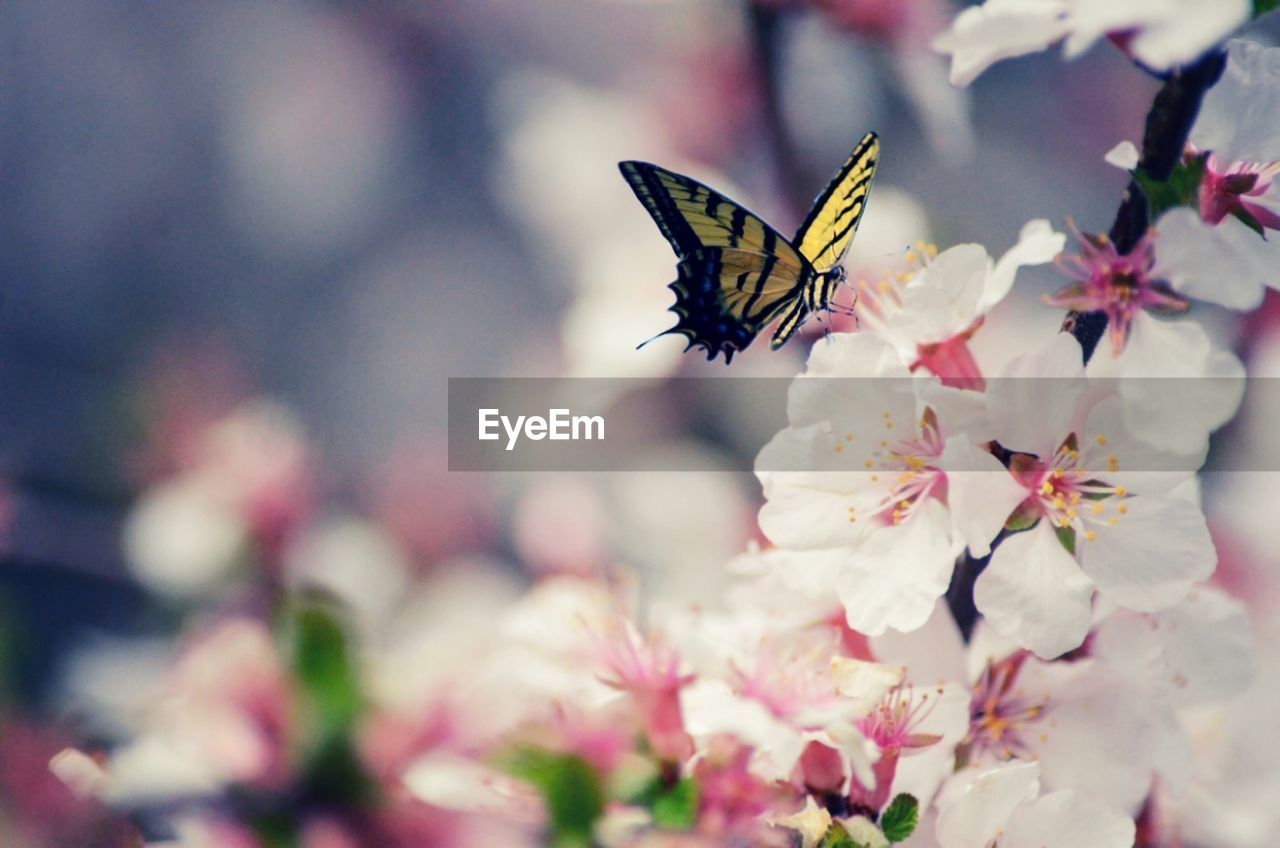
(735, 273)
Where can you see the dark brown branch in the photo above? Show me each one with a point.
(1168, 125)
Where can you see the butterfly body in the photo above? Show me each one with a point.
(735, 273)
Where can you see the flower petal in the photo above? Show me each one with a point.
(1034, 593)
(1228, 264)
(1151, 557)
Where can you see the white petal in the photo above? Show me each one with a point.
(933, 654)
(1097, 731)
(1068, 820)
(1187, 31)
(896, 577)
(848, 355)
(1124, 156)
(981, 493)
(1034, 593)
(942, 300)
(1032, 404)
(183, 539)
(1151, 557)
(864, 683)
(1143, 466)
(1240, 117)
(1177, 386)
(1038, 243)
(1228, 264)
(82, 774)
(978, 816)
(999, 29)
(1198, 651)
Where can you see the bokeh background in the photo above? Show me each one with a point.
(340, 205)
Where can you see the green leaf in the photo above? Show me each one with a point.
(570, 789)
(1067, 536)
(1249, 221)
(324, 668)
(1181, 189)
(899, 819)
(676, 807)
(836, 837)
(1024, 517)
(330, 703)
(1261, 7)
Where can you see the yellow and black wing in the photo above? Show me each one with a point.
(827, 231)
(735, 272)
(726, 296)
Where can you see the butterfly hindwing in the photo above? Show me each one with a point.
(827, 231)
(726, 296)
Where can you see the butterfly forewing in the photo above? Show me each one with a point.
(827, 231)
(693, 216)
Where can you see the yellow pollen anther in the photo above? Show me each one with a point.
(1101, 440)
(1113, 520)
(875, 478)
(1097, 508)
(1122, 508)
(910, 257)
(1090, 535)
(1071, 513)
(1046, 487)
(839, 448)
(1121, 491)
(870, 464)
(848, 437)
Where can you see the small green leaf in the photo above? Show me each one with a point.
(1249, 221)
(570, 789)
(898, 821)
(1181, 189)
(676, 807)
(323, 665)
(329, 704)
(836, 837)
(1024, 517)
(1261, 7)
(1067, 536)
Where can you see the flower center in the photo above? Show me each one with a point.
(1119, 285)
(1002, 716)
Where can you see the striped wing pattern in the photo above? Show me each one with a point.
(725, 297)
(826, 233)
(735, 272)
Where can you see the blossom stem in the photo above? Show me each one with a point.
(1168, 125)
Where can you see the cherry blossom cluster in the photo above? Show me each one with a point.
(834, 696)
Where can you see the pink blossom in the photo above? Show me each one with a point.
(1122, 286)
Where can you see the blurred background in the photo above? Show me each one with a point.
(337, 206)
